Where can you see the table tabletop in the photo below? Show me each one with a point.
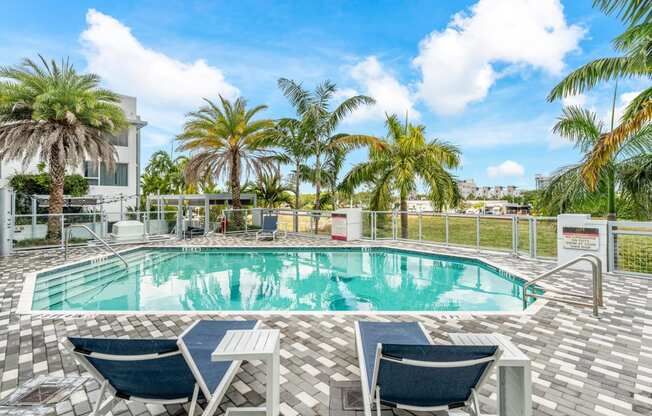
(511, 354)
(248, 344)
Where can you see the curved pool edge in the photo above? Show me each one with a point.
(24, 306)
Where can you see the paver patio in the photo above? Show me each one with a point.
(582, 365)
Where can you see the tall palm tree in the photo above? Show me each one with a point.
(567, 187)
(319, 123)
(225, 139)
(407, 158)
(634, 60)
(50, 112)
(291, 137)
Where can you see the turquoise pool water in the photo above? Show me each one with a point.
(377, 279)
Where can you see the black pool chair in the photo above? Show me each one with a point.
(159, 371)
(401, 368)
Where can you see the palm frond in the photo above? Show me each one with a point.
(629, 11)
(600, 70)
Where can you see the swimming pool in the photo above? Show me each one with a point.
(278, 279)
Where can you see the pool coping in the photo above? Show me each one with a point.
(24, 306)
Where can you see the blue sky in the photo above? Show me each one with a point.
(475, 73)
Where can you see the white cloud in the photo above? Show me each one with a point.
(508, 168)
(165, 87)
(458, 64)
(578, 100)
(391, 96)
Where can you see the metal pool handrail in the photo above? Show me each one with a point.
(69, 231)
(596, 272)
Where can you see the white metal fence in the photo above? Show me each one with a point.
(532, 236)
(630, 247)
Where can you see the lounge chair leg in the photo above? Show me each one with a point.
(193, 402)
(377, 401)
(103, 407)
(475, 403)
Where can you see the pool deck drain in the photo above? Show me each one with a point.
(581, 365)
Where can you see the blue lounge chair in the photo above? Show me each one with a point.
(269, 228)
(401, 368)
(159, 371)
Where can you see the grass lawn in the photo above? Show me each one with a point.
(495, 233)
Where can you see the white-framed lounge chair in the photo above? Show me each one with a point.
(401, 368)
(159, 371)
(269, 227)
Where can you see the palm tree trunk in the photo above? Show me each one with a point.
(57, 174)
(235, 192)
(317, 189)
(404, 218)
(611, 193)
(297, 198)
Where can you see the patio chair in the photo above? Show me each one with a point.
(269, 228)
(159, 371)
(401, 368)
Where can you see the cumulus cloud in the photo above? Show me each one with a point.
(375, 81)
(459, 64)
(578, 100)
(508, 168)
(165, 87)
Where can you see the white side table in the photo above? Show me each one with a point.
(514, 374)
(254, 344)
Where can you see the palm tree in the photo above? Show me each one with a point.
(51, 113)
(567, 187)
(291, 137)
(319, 123)
(270, 190)
(634, 61)
(407, 157)
(226, 140)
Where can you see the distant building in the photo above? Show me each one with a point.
(467, 187)
(541, 181)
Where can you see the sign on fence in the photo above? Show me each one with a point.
(581, 238)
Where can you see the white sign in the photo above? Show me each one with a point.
(338, 226)
(581, 238)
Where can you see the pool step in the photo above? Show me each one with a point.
(134, 260)
(48, 300)
(80, 275)
(90, 279)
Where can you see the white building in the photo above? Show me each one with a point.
(123, 180)
(467, 187)
(541, 181)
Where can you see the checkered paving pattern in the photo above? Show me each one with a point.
(581, 365)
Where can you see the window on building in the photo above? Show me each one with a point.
(121, 139)
(117, 177)
(91, 173)
(98, 174)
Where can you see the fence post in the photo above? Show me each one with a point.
(7, 222)
(373, 225)
(62, 237)
(446, 227)
(394, 233)
(33, 218)
(420, 225)
(530, 230)
(534, 238)
(179, 218)
(515, 235)
(245, 220)
(611, 248)
(477, 232)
